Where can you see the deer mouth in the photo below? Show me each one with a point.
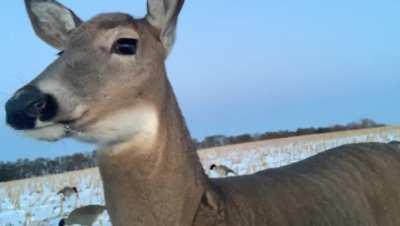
(48, 132)
(74, 127)
(56, 130)
(72, 117)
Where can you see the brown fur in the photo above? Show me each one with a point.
(349, 185)
(159, 180)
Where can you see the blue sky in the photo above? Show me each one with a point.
(243, 66)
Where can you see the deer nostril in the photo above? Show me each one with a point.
(48, 108)
(36, 108)
(40, 105)
(44, 108)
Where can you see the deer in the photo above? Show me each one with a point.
(109, 87)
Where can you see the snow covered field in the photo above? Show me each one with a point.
(35, 202)
(248, 158)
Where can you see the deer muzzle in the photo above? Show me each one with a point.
(29, 106)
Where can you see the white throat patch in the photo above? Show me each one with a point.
(140, 123)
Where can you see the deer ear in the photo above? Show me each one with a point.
(52, 21)
(163, 15)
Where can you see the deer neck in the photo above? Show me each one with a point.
(161, 185)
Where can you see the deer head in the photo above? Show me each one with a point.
(108, 83)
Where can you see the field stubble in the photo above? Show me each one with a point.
(34, 201)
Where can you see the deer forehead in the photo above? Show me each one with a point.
(104, 27)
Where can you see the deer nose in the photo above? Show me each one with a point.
(29, 105)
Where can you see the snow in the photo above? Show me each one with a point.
(35, 201)
(252, 157)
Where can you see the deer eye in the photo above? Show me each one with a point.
(125, 46)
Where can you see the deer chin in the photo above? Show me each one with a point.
(139, 123)
(48, 132)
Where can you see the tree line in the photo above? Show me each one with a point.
(25, 168)
(220, 140)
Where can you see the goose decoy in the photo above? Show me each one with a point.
(68, 191)
(222, 170)
(85, 215)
